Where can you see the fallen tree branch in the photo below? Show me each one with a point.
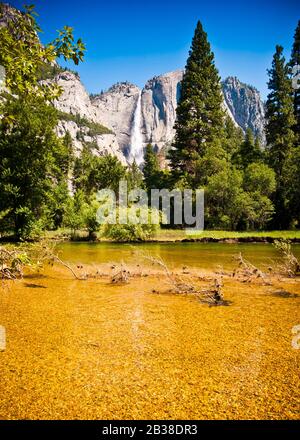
(247, 272)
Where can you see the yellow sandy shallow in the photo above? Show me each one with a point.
(88, 349)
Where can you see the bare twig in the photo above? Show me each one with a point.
(291, 265)
(213, 294)
(247, 272)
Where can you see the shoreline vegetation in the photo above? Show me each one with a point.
(47, 182)
(181, 236)
(17, 262)
(171, 236)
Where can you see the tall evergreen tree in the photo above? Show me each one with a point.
(249, 150)
(200, 117)
(134, 176)
(279, 131)
(151, 169)
(293, 165)
(295, 64)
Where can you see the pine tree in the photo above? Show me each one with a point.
(295, 64)
(134, 176)
(279, 132)
(200, 117)
(250, 149)
(293, 165)
(151, 169)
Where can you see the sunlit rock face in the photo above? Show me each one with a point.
(245, 104)
(74, 98)
(115, 109)
(159, 101)
(156, 102)
(76, 101)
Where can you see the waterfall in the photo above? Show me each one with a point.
(136, 142)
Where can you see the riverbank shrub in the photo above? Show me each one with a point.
(131, 231)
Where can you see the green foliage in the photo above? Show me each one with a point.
(224, 196)
(50, 71)
(24, 57)
(292, 173)
(235, 201)
(292, 167)
(279, 131)
(89, 212)
(57, 204)
(34, 163)
(92, 173)
(210, 164)
(151, 170)
(29, 226)
(64, 46)
(249, 150)
(260, 178)
(95, 128)
(30, 159)
(130, 231)
(295, 63)
(200, 117)
(73, 216)
(134, 177)
(258, 211)
(233, 139)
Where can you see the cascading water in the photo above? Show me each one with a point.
(136, 142)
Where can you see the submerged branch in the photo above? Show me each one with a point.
(247, 272)
(291, 265)
(212, 294)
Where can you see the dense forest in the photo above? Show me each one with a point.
(43, 186)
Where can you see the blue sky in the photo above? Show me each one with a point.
(136, 40)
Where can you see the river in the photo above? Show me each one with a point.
(90, 349)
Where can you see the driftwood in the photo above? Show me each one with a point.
(247, 272)
(213, 294)
(291, 264)
(12, 263)
(177, 283)
(121, 275)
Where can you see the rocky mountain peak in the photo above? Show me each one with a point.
(245, 104)
(117, 106)
(74, 99)
(122, 87)
(83, 119)
(156, 103)
(164, 78)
